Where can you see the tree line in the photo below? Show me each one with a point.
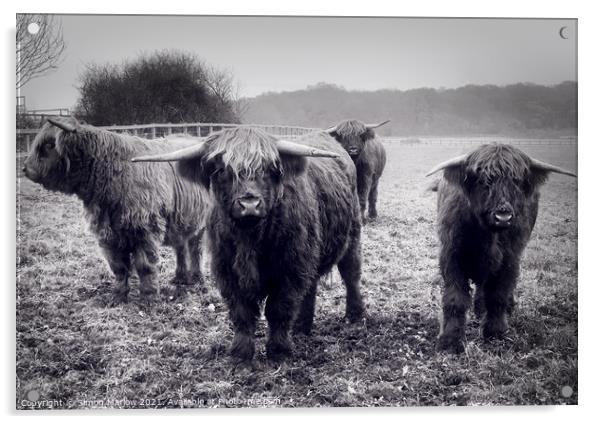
(473, 109)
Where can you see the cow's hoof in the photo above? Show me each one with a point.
(450, 344)
(148, 295)
(278, 352)
(242, 367)
(495, 329)
(178, 292)
(118, 298)
(355, 314)
(180, 280)
(196, 278)
(492, 334)
(302, 328)
(242, 349)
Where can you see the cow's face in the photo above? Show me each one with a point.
(353, 136)
(47, 163)
(497, 201)
(246, 173)
(354, 143)
(247, 200)
(500, 182)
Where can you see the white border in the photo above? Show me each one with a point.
(589, 193)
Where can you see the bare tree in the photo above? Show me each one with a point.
(227, 90)
(39, 46)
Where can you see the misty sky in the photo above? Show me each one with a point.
(282, 54)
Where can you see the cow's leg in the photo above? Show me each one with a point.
(195, 250)
(181, 277)
(119, 262)
(479, 301)
(145, 260)
(498, 293)
(350, 268)
(363, 187)
(243, 314)
(305, 317)
(281, 308)
(455, 300)
(372, 214)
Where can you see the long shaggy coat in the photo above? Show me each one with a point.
(312, 223)
(368, 155)
(131, 208)
(487, 208)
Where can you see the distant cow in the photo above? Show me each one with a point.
(487, 207)
(280, 222)
(131, 208)
(369, 157)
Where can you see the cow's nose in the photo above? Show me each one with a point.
(504, 213)
(249, 206)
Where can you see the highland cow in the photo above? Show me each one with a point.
(487, 206)
(369, 157)
(279, 222)
(130, 208)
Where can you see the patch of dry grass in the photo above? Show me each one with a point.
(72, 347)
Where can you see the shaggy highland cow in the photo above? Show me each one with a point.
(130, 208)
(369, 157)
(487, 207)
(279, 222)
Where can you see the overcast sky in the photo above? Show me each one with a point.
(282, 54)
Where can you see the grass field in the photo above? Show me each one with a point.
(74, 349)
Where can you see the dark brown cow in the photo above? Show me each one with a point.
(131, 208)
(369, 157)
(487, 207)
(276, 227)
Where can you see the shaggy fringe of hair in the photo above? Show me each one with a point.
(353, 127)
(247, 151)
(498, 160)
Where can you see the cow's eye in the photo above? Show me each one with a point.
(47, 147)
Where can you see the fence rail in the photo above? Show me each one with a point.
(457, 141)
(26, 136)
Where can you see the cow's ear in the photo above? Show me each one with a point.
(293, 166)
(456, 174)
(538, 177)
(196, 170)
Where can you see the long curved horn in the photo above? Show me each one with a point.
(187, 153)
(373, 126)
(451, 162)
(295, 149)
(543, 166)
(331, 129)
(62, 124)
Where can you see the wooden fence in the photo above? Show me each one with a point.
(459, 141)
(26, 136)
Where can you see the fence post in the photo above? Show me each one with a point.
(28, 142)
(168, 131)
(154, 132)
(198, 130)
